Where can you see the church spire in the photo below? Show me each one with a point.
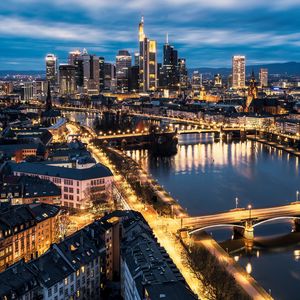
(49, 98)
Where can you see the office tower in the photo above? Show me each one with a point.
(27, 90)
(73, 56)
(51, 68)
(67, 79)
(217, 80)
(238, 71)
(101, 73)
(133, 78)
(90, 67)
(147, 61)
(123, 63)
(109, 76)
(136, 58)
(196, 80)
(182, 72)
(263, 77)
(169, 72)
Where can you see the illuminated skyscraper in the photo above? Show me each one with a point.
(123, 63)
(51, 68)
(101, 73)
(169, 70)
(218, 80)
(263, 78)
(183, 73)
(67, 79)
(147, 61)
(238, 71)
(90, 65)
(73, 56)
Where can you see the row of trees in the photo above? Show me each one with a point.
(217, 283)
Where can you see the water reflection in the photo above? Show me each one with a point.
(207, 176)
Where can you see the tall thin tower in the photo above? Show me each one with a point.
(147, 61)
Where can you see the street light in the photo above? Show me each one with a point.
(249, 207)
(236, 202)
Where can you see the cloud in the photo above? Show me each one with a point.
(20, 27)
(143, 5)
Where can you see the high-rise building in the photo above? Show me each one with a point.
(123, 63)
(133, 78)
(196, 81)
(109, 77)
(218, 80)
(101, 73)
(238, 71)
(263, 78)
(147, 61)
(67, 79)
(51, 68)
(90, 65)
(27, 90)
(73, 56)
(183, 73)
(136, 58)
(169, 72)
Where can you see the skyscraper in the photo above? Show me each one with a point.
(90, 64)
(147, 61)
(183, 73)
(123, 63)
(101, 73)
(263, 78)
(109, 76)
(218, 80)
(67, 79)
(169, 72)
(238, 71)
(51, 68)
(73, 56)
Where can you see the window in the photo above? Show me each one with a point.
(66, 189)
(50, 292)
(66, 281)
(60, 291)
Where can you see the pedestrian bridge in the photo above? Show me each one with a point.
(244, 220)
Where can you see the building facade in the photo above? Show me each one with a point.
(67, 79)
(78, 186)
(238, 71)
(147, 61)
(26, 231)
(51, 68)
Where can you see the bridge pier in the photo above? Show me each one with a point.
(296, 225)
(249, 233)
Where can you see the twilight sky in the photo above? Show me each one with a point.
(206, 32)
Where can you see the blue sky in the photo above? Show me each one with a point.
(206, 32)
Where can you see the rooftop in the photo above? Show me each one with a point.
(96, 171)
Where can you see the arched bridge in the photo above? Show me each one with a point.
(244, 220)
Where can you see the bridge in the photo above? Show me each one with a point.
(244, 220)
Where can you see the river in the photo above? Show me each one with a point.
(207, 175)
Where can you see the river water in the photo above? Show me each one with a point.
(207, 175)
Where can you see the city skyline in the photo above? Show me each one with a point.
(206, 34)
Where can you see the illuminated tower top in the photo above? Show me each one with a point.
(141, 30)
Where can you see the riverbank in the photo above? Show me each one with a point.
(273, 144)
(173, 223)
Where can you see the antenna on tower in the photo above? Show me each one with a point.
(167, 38)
